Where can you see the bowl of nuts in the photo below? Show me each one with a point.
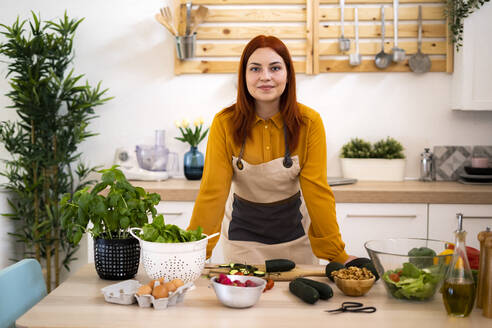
(354, 281)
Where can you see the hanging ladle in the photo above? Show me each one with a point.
(355, 59)
(398, 53)
(343, 43)
(382, 59)
(420, 63)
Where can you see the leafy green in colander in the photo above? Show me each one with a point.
(159, 232)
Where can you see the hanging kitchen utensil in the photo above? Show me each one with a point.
(159, 18)
(168, 17)
(188, 18)
(420, 63)
(344, 43)
(382, 59)
(355, 58)
(199, 17)
(398, 53)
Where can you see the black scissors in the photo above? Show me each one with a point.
(353, 307)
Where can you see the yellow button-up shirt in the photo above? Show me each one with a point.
(265, 144)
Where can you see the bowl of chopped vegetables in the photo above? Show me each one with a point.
(411, 268)
(170, 252)
(238, 291)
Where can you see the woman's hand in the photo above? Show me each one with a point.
(350, 258)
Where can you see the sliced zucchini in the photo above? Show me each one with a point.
(233, 271)
(225, 265)
(259, 273)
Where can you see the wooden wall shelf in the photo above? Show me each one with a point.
(310, 29)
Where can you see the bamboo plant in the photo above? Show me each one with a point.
(54, 110)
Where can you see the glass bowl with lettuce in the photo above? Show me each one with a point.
(411, 268)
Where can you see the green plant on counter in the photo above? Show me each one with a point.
(53, 113)
(356, 148)
(123, 207)
(387, 148)
(455, 12)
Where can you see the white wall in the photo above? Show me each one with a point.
(121, 44)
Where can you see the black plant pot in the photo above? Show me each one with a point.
(116, 259)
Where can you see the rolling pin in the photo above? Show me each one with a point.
(481, 272)
(487, 282)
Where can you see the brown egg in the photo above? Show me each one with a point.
(160, 292)
(152, 283)
(170, 286)
(144, 290)
(177, 282)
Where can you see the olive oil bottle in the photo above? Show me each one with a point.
(458, 290)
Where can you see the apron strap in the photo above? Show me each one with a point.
(287, 159)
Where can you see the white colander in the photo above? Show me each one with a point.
(173, 260)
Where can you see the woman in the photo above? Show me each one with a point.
(266, 162)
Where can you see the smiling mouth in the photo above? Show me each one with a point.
(265, 88)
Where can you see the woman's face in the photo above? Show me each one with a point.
(266, 75)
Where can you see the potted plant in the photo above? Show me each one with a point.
(110, 214)
(193, 159)
(54, 108)
(455, 12)
(383, 161)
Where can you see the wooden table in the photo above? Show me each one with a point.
(78, 302)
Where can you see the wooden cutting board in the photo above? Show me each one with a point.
(301, 270)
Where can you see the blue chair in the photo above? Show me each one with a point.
(21, 287)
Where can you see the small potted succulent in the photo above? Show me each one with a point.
(107, 211)
(382, 161)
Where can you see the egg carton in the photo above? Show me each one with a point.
(122, 292)
(162, 303)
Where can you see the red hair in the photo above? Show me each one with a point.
(244, 108)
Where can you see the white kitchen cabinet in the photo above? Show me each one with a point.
(178, 213)
(443, 221)
(471, 86)
(360, 222)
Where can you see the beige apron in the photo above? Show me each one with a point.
(265, 215)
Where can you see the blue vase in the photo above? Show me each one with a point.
(193, 164)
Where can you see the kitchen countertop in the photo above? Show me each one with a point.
(437, 192)
(78, 302)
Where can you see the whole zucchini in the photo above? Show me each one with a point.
(305, 292)
(324, 290)
(279, 265)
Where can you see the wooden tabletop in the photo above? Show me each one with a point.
(437, 192)
(78, 302)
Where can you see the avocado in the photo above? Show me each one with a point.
(332, 266)
(358, 262)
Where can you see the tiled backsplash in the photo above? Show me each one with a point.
(450, 160)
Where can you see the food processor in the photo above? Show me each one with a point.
(148, 162)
